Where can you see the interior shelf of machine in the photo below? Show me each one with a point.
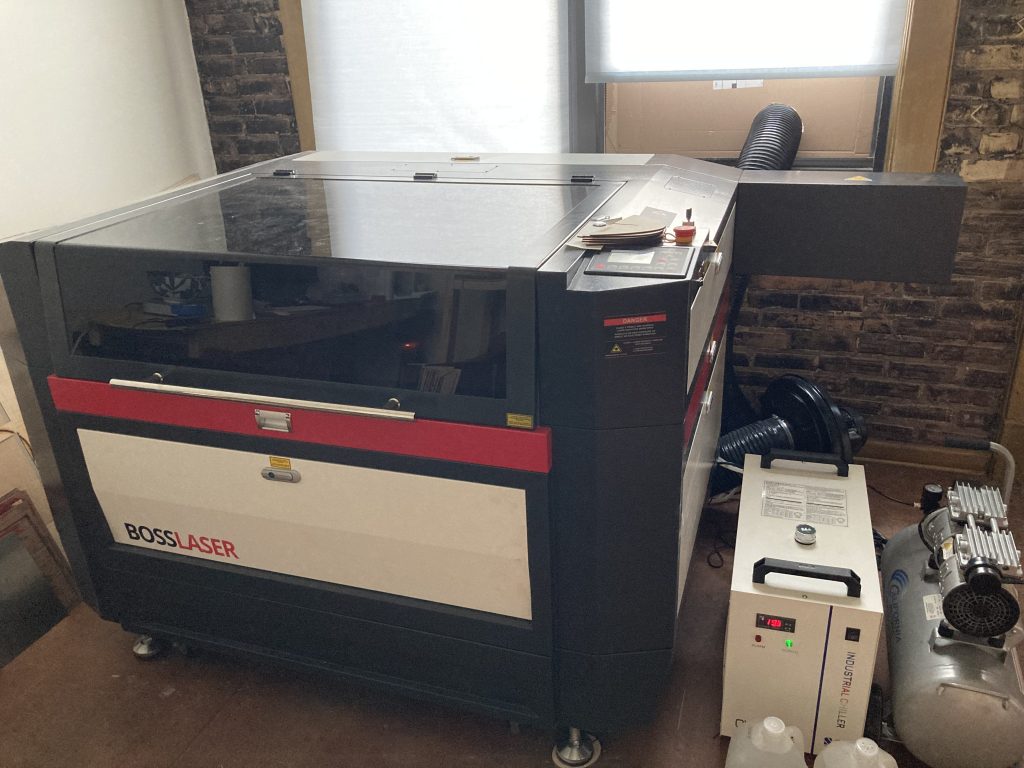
(270, 329)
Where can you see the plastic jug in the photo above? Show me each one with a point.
(862, 753)
(767, 743)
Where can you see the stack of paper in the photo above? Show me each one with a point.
(631, 230)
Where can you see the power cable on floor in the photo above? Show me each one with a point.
(721, 541)
(890, 498)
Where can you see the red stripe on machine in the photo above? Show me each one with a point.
(529, 451)
(612, 322)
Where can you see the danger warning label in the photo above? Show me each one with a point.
(635, 335)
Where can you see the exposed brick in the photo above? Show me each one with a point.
(243, 71)
(999, 143)
(264, 64)
(980, 377)
(992, 170)
(1007, 56)
(772, 299)
(972, 310)
(923, 372)
(1006, 89)
(256, 43)
(789, 362)
(885, 388)
(831, 303)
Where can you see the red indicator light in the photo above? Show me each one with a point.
(757, 638)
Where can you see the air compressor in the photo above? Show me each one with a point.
(952, 630)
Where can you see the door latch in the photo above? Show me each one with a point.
(275, 421)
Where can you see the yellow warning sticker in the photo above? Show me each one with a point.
(279, 462)
(615, 349)
(519, 420)
(856, 178)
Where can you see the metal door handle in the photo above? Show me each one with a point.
(281, 402)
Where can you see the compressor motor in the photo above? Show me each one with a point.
(952, 630)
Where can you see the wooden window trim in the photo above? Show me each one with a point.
(922, 86)
(290, 13)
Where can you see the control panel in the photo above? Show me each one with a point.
(663, 261)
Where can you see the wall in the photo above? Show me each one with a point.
(244, 74)
(924, 361)
(101, 107)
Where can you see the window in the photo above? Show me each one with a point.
(831, 61)
(454, 76)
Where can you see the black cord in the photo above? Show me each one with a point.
(890, 498)
(25, 442)
(720, 542)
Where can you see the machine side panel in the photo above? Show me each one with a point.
(615, 521)
(588, 377)
(26, 349)
(900, 227)
(601, 693)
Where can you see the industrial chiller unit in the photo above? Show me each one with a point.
(437, 446)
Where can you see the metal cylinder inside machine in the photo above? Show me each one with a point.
(955, 704)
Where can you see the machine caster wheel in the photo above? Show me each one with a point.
(147, 648)
(578, 750)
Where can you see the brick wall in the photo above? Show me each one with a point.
(244, 77)
(924, 361)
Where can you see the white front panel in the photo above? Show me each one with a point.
(697, 471)
(430, 538)
(849, 672)
(766, 675)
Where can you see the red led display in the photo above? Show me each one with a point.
(778, 623)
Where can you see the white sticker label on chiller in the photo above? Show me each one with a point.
(804, 503)
(933, 607)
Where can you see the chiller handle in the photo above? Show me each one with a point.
(841, 465)
(767, 565)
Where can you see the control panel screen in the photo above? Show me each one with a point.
(778, 623)
(630, 257)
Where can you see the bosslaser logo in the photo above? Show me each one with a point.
(186, 542)
(898, 582)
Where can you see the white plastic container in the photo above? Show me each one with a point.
(862, 753)
(768, 743)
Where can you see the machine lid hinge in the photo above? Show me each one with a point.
(424, 176)
(284, 172)
(581, 178)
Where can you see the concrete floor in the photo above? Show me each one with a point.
(78, 698)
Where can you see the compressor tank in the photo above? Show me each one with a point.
(955, 705)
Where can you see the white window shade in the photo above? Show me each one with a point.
(650, 40)
(438, 75)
